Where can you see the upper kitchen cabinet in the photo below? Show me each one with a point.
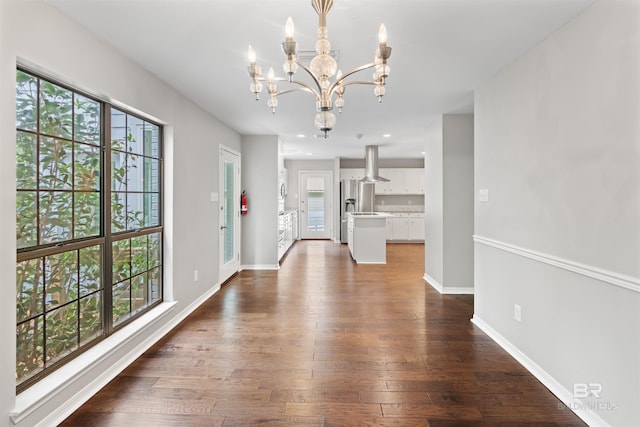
(414, 181)
(402, 181)
(392, 186)
(351, 173)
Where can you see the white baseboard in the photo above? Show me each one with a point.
(449, 290)
(575, 405)
(433, 282)
(260, 267)
(52, 386)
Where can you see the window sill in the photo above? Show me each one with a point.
(57, 382)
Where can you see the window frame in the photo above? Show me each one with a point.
(106, 236)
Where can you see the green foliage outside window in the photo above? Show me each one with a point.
(60, 294)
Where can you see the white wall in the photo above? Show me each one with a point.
(449, 204)
(260, 180)
(434, 202)
(40, 35)
(458, 201)
(558, 147)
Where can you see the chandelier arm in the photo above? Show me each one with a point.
(298, 89)
(338, 82)
(313, 76)
(360, 82)
(305, 87)
(275, 79)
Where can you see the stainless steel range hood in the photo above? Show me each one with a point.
(371, 166)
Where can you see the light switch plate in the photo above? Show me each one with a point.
(214, 197)
(484, 195)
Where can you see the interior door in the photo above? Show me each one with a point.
(315, 205)
(229, 219)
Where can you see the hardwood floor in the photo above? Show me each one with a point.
(326, 342)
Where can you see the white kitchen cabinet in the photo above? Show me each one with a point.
(350, 224)
(414, 181)
(416, 227)
(351, 173)
(295, 226)
(382, 188)
(402, 181)
(398, 178)
(395, 183)
(389, 229)
(405, 227)
(400, 227)
(288, 232)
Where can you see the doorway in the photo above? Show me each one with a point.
(315, 204)
(229, 213)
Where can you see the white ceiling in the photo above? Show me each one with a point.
(442, 51)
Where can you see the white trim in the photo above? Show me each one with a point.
(458, 290)
(449, 290)
(610, 277)
(54, 384)
(575, 405)
(433, 282)
(260, 267)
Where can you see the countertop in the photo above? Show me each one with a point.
(400, 208)
(369, 215)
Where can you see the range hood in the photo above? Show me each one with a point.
(371, 165)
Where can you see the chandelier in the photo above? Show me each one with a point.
(322, 69)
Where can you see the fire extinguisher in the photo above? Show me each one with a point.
(244, 204)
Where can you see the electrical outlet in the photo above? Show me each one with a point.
(195, 275)
(517, 312)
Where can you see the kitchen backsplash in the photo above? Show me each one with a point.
(399, 203)
(399, 208)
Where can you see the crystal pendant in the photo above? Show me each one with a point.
(325, 121)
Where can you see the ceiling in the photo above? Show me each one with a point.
(442, 51)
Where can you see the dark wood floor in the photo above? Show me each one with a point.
(325, 342)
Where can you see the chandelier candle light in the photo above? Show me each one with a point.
(321, 69)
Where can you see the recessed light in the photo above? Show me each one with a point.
(387, 135)
(309, 154)
(301, 135)
(422, 152)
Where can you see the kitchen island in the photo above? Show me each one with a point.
(366, 237)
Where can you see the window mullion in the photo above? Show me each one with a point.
(106, 221)
(38, 140)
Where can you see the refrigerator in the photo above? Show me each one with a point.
(348, 203)
(355, 196)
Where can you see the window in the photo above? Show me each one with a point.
(315, 210)
(86, 263)
(135, 206)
